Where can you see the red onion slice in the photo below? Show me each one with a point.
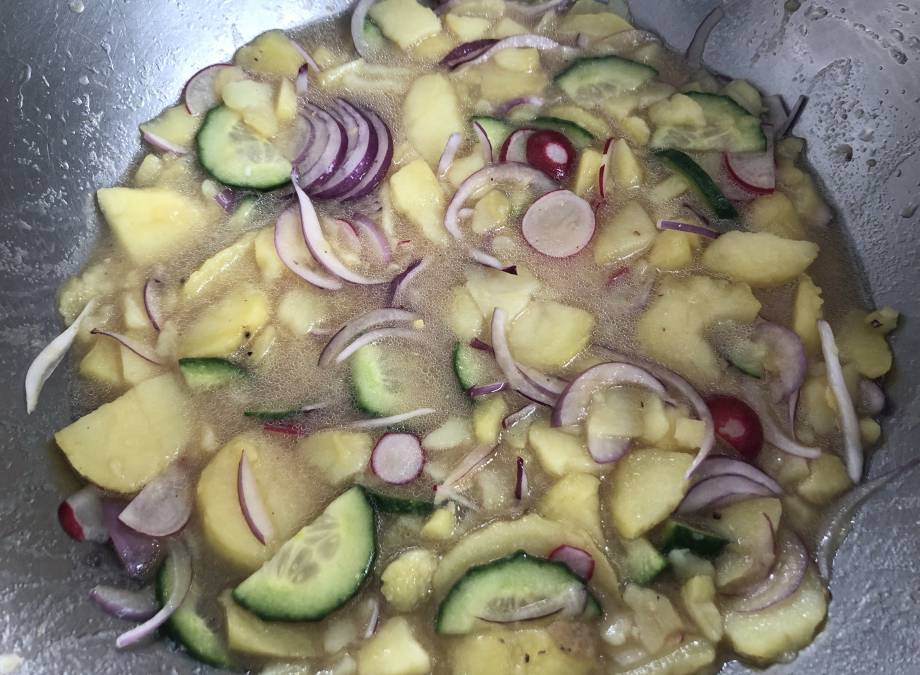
(574, 401)
(80, 516)
(871, 398)
(252, 505)
(488, 155)
(162, 144)
(559, 224)
(228, 199)
(139, 553)
(375, 336)
(521, 485)
(475, 459)
(514, 149)
(466, 52)
(449, 153)
(548, 383)
(507, 363)
(578, 560)
(164, 506)
(607, 449)
(783, 129)
(320, 248)
(397, 459)
(358, 16)
(181, 582)
(775, 436)
(401, 282)
(486, 259)
(701, 37)
(381, 422)
(486, 389)
(373, 233)
(346, 234)
(145, 352)
(721, 491)
(326, 151)
(309, 61)
(852, 440)
(355, 327)
(302, 83)
(569, 603)
(487, 177)
(784, 579)
(359, 156)
(720, 466)
(381, 162)
(519, 415)
(200, 94)
(50, 358)
(373, 618)
(689, 228)
(124, 604)
(449, 494)
(523, 41)
(535, 9)
(152, 302)
(292, 249)
(788, 355)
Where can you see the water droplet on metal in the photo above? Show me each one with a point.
(910, 210)
(899, 56)
(816, 12)
(83, 79)
(77, 7)
(897, 35)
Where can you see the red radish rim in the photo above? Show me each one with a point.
(397, 458)
(251, 504)
(81, 517)
(579, 561)
(740, 167)
(541, 227)
(551, 152)
(514, 149)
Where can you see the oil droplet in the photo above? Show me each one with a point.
(792, 6)
(83, 79)
(866, 134)
(815, 13)
(77, 7)
(910, 210)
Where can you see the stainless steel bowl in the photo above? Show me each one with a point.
(78, 77)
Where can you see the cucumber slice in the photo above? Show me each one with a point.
(681, 163)
(400, 505)
(591, 79)
(581, 138)
(678, 535)
(372, 33)
(473, 366)
(497, 131)
(643, 561)
(209, 373)
(273, 415)
(320, 568)
(729, 128)
(502, 586)
(237, 156)
(383, 379)
(747, 356)
(188, 628)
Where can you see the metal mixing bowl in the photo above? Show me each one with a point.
(78, 77)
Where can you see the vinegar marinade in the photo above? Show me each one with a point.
(528, 371)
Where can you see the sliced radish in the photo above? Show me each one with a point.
(145, 352)
(360, 154)
(514, 149)
(559, 224)
(552, 153)
(319, 247)
(50, 358)
(521, 486)
(381, 162)
(607, 449)
(80, 516)
(754, 171)
(292, 249)
(162, 144)
(574, 401)
(355, 327)
(251, 503)
(578, 560)
(737, 424)
(721, 491)
(164, 506)
(200, 94)
(397, 459)
(124, 604)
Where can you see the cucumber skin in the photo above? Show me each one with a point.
(643, 571)
(398, 505)
(577, 134)
(680, 535)
(206, 372)
(610, 60)
(683, 164)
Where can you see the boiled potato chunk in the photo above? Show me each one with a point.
(431, 113)
(774, 213)
(594, 26)
(279, 474)
(625, 170)
(150, 223)
(102, 362)
(759, 258)
(217, 266)
(532, 533)
(589, 165)
(827, 480)
(493, 288)
(672, 250)
(518, 60)
(175, 125)
(532, 651)
(698, 595)
(393, 650)
(271, 53)
(338, 455)
(418, 196)
(255, 101)
(302, 309)
(574, 500)
(498, 84)
(672, 329)
(679, 110)
(466, 28)
(440, 525)
(629, 231)
(270, 265)
(124, 444)
(464, 167)
(249, 634)
(137, 369)
(785, 627)
(465, 318)
(806, 312)
(655, 619)
(634, 507)
(863, 346)
(549, 334)
(800, 187)
(488, 413)
(491, 212)
(560, 453)
(405, 22)
(222, 327)
(690, 657)
(406, 582)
